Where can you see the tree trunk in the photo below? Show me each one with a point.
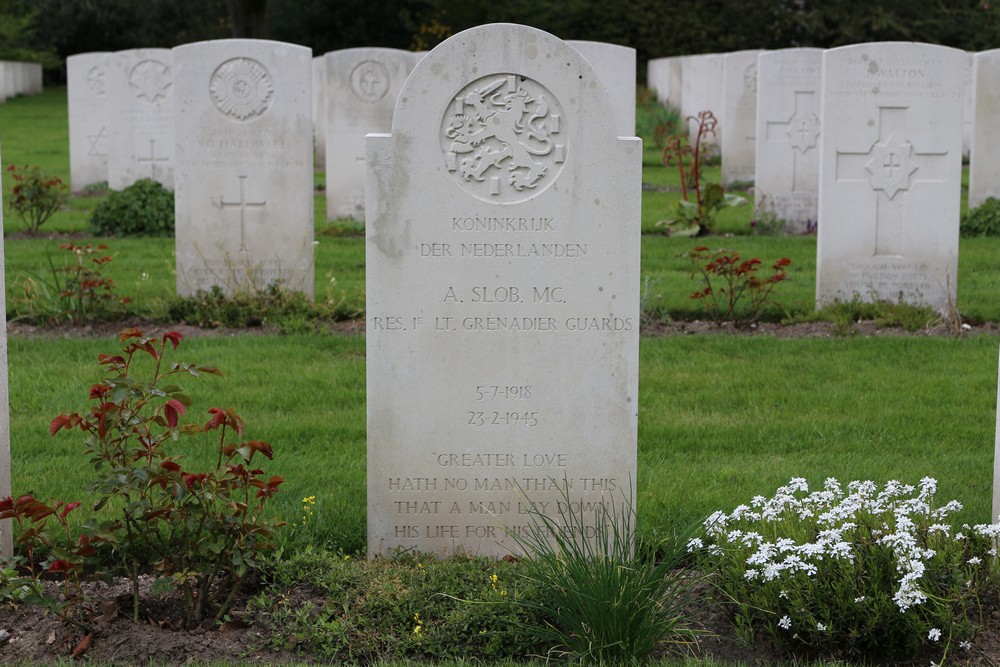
(248, 18)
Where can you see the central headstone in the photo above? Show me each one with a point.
(244, 201)
(502, 297)
(890, 174)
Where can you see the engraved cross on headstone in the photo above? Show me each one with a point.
(800, 132)
(243, 204)
(890, 166)
(152, 159)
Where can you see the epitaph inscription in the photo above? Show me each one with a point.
(502, 138)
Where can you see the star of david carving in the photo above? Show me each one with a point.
(891, 166)
(98, 145)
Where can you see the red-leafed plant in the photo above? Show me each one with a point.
(204, 529)
(699, 203)
(77, 292)
(35, 196)
(727, 279)
(48, 551)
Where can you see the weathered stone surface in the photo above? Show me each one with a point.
(140, 88)
(890, 174)
(88, 135)
(788, 130)
(502, 296)
(244, 198)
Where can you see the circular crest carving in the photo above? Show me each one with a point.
(150, 81)
(370, 81)
(95, 80)
(241, 88)
(503, 138)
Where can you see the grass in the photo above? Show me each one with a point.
(721, 418)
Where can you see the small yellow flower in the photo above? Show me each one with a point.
(309, 500)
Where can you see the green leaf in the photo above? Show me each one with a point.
(163, 585)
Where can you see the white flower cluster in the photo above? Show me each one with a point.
(836, 514)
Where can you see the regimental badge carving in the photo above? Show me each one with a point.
(241, 88)
(150, 81)
(370, 81)
(95, 81)
(503, 138)
(803, 130)
(891, 166)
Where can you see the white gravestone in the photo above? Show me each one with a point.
(739, 116)
(319, 112)
(702, 91)
(6, 527)
(788, 130)
(244, 199)
(361, 89)
(675, 82)
(890, 174)
(658, 78)
(88, 134)
(140, 85)
(502, 296)
(615, 65)
(984, 170)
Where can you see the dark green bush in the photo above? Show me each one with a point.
(984, 220)
(144, 208)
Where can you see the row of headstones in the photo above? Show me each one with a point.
(863, 140)
(354, 93)
(785, 84)
(19, 78)
(227, 125)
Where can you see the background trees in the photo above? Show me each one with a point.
(53, 29)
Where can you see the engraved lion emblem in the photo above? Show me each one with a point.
(502, 132)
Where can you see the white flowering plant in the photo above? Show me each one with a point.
(865, 572)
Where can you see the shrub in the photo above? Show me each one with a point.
(79, 291)
(984, 220)
(727, 280)
(868, 573)
(287, 310)
(35, 196)
(144, 208)
(412, 606)
(205, 531)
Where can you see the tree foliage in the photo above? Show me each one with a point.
(654, 28)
